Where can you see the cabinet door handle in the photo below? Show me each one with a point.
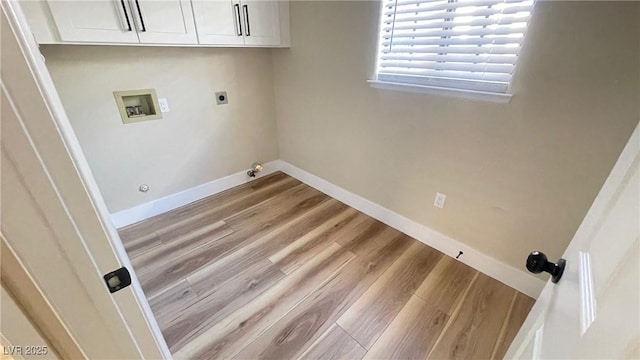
(246, 20)
(238, 20)
(140, 15)
(126, 15)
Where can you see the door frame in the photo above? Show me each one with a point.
(35, 61)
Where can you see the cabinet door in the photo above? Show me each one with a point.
(218, 22)
(94, 21)
(262, 22)
(164, 21)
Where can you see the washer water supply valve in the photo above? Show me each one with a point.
(256, 167)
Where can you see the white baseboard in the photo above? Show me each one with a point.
(486, 264)
(174, 201)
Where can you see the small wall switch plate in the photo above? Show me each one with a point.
(164, 105)
(221, 98)
(439, 200)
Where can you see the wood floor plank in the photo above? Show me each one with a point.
(237, 192)
(267, 180)
(263, 244)
(285, 209)
(334, 344)
(140, 245)
(446, 284)
(289, 202)
(299, 328)
(220, 301)
(379, 305)
(518, 312)
(205, 211)
(172, 302)
(276, 183)
(230, 335)
(412, 334)
(304, 248)
(202, 236)
(474, 329)
(365, 230)
(141, 237)
(165, 274)
(216, 211)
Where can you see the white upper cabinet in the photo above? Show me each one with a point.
(94, 21)
(238, 22)
(262, 22)
(125, 21)
(164, 21)
(252, 23)
(218, 22)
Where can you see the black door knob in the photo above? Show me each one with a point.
(537, 262)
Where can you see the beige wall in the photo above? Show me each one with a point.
(195, 143)
(519, 176)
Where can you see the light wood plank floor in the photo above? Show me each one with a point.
(275, 269)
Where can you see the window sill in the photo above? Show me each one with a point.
(432, 90)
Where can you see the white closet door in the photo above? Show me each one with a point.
(54, 218)
(164, 21)
(262, 22)
(219, 22)
(94, 21)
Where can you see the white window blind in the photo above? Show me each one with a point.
(453, 44)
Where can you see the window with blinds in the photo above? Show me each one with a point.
(453, 44)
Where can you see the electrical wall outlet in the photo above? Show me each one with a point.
(439, 200)
(164, 105)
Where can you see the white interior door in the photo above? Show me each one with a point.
(218, 22)
(94, 21)
(594, 311)
(164, 21)
(261, 20)
(53, 217)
